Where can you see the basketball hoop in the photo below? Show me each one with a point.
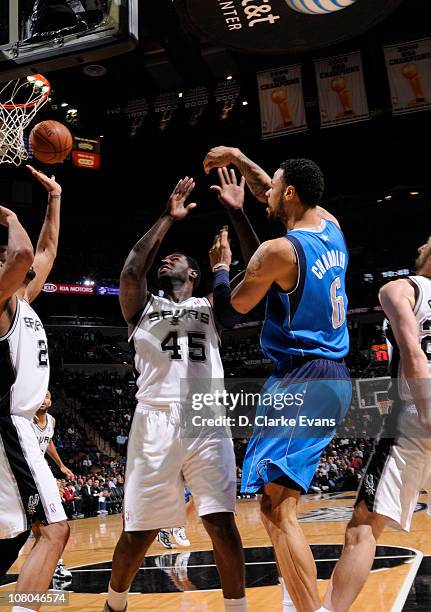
(20, 100)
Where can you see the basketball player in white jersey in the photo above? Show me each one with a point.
(173, 337)
(44, 427)
(400, 466)
(28, 491)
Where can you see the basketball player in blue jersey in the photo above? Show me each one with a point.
(29, 494)
(305, 335)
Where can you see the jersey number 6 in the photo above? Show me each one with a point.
(338, 308)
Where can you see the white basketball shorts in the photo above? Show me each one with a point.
(28, 489)
(160, 460)
(398, 470)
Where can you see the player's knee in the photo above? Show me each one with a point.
(278, 515)
(359, 534)
(137, 541)
(221, 526)
(56, 534)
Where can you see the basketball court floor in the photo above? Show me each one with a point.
(185, 579)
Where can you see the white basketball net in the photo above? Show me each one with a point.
(19, 102)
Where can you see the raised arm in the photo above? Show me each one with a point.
(231, 196)
(15, 261)
(257, 179)
(46, 249)
(398, 301)
(133, 281)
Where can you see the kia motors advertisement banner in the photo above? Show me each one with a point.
(81, 289)
(409, 71)
(341, 86)
(71, 289)
(281, 100)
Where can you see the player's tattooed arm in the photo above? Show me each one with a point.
(46, 249)
(133, 282)
(273, 262)
(16, 260)
(257, 179)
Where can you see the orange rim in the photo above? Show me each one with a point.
(38, 100)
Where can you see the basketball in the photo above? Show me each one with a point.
(51, 142)
(319, 7)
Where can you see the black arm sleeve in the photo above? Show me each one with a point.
(224, 312)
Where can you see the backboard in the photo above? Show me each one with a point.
(371, 391)
(38, 36)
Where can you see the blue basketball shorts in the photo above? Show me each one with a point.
(295, 422)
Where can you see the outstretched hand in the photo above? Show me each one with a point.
(229, 193)
(50, 184)
(176, 207)
(220, 252)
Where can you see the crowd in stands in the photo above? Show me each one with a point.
(88, 346)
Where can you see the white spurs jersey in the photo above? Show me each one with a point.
(24, 363)
(174, 341)
(45, 434)
(422, 312)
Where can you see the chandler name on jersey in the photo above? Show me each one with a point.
(24, 363)
(174, 341)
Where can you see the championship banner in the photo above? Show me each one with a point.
(86, 153)
(281, 99)
(136, 110)
(195, 102)
(226, 95)
(341, 87)
(165, 105)
(409, 73)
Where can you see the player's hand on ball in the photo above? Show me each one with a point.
(50, 184)
(68, 473)
(219, 157)
(176, 207)
(220, 252)
(229, 193)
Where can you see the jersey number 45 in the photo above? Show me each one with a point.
(195, 344)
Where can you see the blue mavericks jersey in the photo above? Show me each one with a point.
(310, 319)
